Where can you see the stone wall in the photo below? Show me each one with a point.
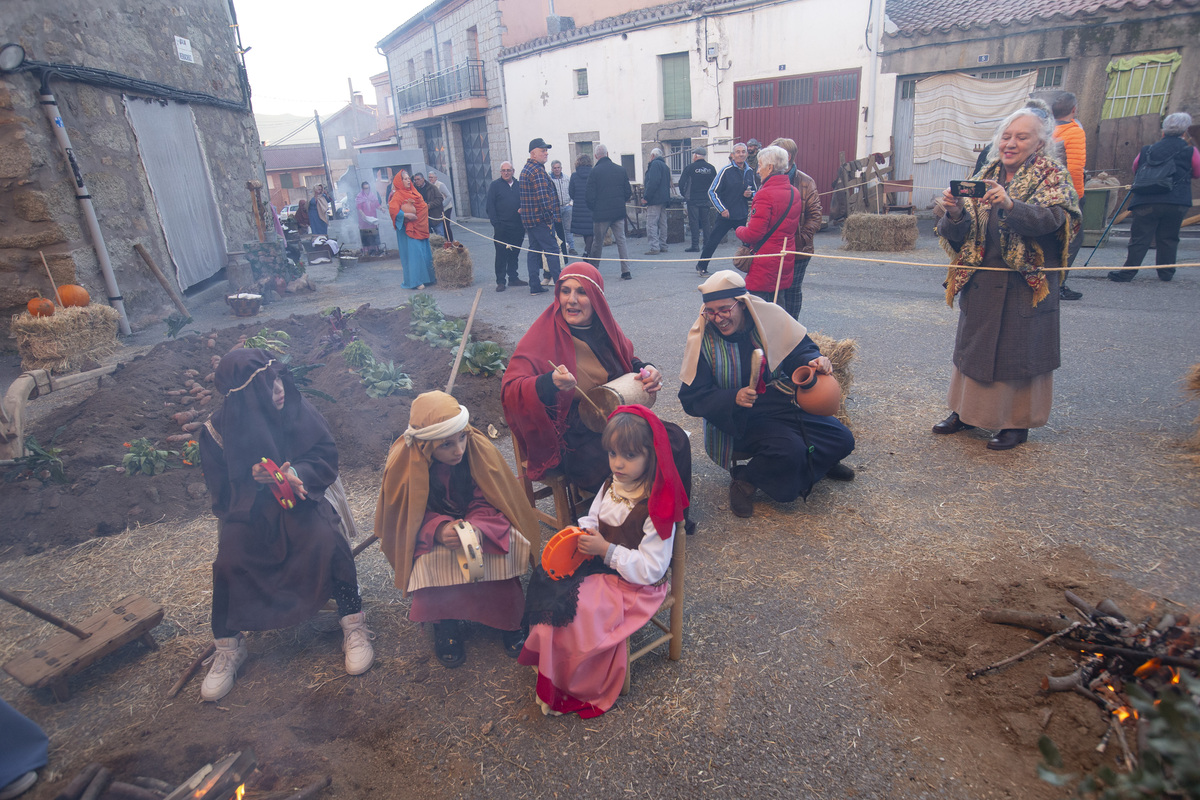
(38, 209)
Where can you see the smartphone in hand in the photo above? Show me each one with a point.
(968, 188)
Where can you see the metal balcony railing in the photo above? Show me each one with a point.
(447, 86)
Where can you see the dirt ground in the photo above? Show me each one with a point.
(802, 676)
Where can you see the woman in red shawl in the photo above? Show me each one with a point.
(410, 215)
(575, 343)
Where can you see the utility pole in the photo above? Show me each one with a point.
(325, 162)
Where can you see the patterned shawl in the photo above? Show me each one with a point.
(1040, 181)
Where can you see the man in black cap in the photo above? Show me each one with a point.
(693, 185)
(539, 214)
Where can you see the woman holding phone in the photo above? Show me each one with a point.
(1005, 247)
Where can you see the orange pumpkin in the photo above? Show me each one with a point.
(40, 307)
(72, 295)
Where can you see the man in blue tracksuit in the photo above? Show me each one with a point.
(730, 195)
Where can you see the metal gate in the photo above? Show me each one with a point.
(478, 157)
(818, 110)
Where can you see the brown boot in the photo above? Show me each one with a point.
(741, 498)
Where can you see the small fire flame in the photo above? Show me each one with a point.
(1174, 675)
(240, 793)
(1123, 713)
(1145, 669)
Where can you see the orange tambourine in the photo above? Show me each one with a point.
(561, 556)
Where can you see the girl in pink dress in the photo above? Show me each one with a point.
(578, 625)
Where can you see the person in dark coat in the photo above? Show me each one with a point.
(694, 183)
(581, 217)
(793, 298)
(1007, 345)
(302, 217)
(655, 198)
(1158, 217)
(277, 565)
(608, 191)
(789, 448)
(730, 195)
(503, 202)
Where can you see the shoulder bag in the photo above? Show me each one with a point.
(743, 259)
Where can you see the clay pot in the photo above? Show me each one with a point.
(816, 392)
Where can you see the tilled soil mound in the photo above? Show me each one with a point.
(99, 500)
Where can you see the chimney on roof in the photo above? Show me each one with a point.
(556, 24)
(358, 99)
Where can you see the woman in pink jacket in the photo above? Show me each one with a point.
(774, 216)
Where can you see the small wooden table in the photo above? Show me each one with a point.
(64, 654)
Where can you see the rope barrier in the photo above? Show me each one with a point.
(729, 258)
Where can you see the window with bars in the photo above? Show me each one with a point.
(679, 154)
(756, 95)
(1049, 77)
(581, 84)
(832, 88)
(795, 91)
(677, 86)
(1139, 86)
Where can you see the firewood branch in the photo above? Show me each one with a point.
(1013, 659)
(1039, 623)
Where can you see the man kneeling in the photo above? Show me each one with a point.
(789, 449)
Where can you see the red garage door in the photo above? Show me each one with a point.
(818, 110)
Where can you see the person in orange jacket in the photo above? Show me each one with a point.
(1070, 133)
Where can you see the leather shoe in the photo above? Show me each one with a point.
(952, 424)
(1067, 293)
(500, 287)
(626, 276)
(840, 472)
(1008, 438)
(692, 250)
(538, 290)
(517, 282)
(1121, 276)
(741, 498)
(1166, 273)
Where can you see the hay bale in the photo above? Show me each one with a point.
(840, 353)
(452, 266)
(67, 341)
(436, 242)
(887, 232)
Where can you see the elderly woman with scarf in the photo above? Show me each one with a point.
(410, 215)
(367, 203)
(573, 347)
(1007, 345)
(443, 471)
(276, 565)
(788, 448)
(770, 230)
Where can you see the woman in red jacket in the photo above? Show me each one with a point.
(774, 217)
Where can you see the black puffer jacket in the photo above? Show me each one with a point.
(581, 215)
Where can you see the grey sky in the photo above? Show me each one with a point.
(302, 51)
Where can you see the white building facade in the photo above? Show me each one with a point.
(705, 74)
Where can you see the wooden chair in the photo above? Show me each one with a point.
(673, 630)
(893, 189)
(567, 497)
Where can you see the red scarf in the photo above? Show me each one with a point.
(668, 498)
(549, 340)
(415, 228)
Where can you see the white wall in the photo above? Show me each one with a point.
(625, 79)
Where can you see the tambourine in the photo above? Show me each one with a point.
(561, 556)
(280, 486)
(470, 557)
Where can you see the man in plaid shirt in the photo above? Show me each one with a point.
(539, 213)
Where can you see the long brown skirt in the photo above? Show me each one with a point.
(1001, 404)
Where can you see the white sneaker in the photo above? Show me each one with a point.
(356, 642)
(226, 661)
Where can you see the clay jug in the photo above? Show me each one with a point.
(816, 392)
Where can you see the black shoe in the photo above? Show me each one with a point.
(1066, 293)
(514, 641)
(500, 287)
(571, 252)
(1166, 273)
(692, 250)
(448, 643)
(626, 276)
(1121, 276)
(517, 282)
(840, 472)
(741, 498)
(538, 290)
(952, 424)
(1008, 438)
